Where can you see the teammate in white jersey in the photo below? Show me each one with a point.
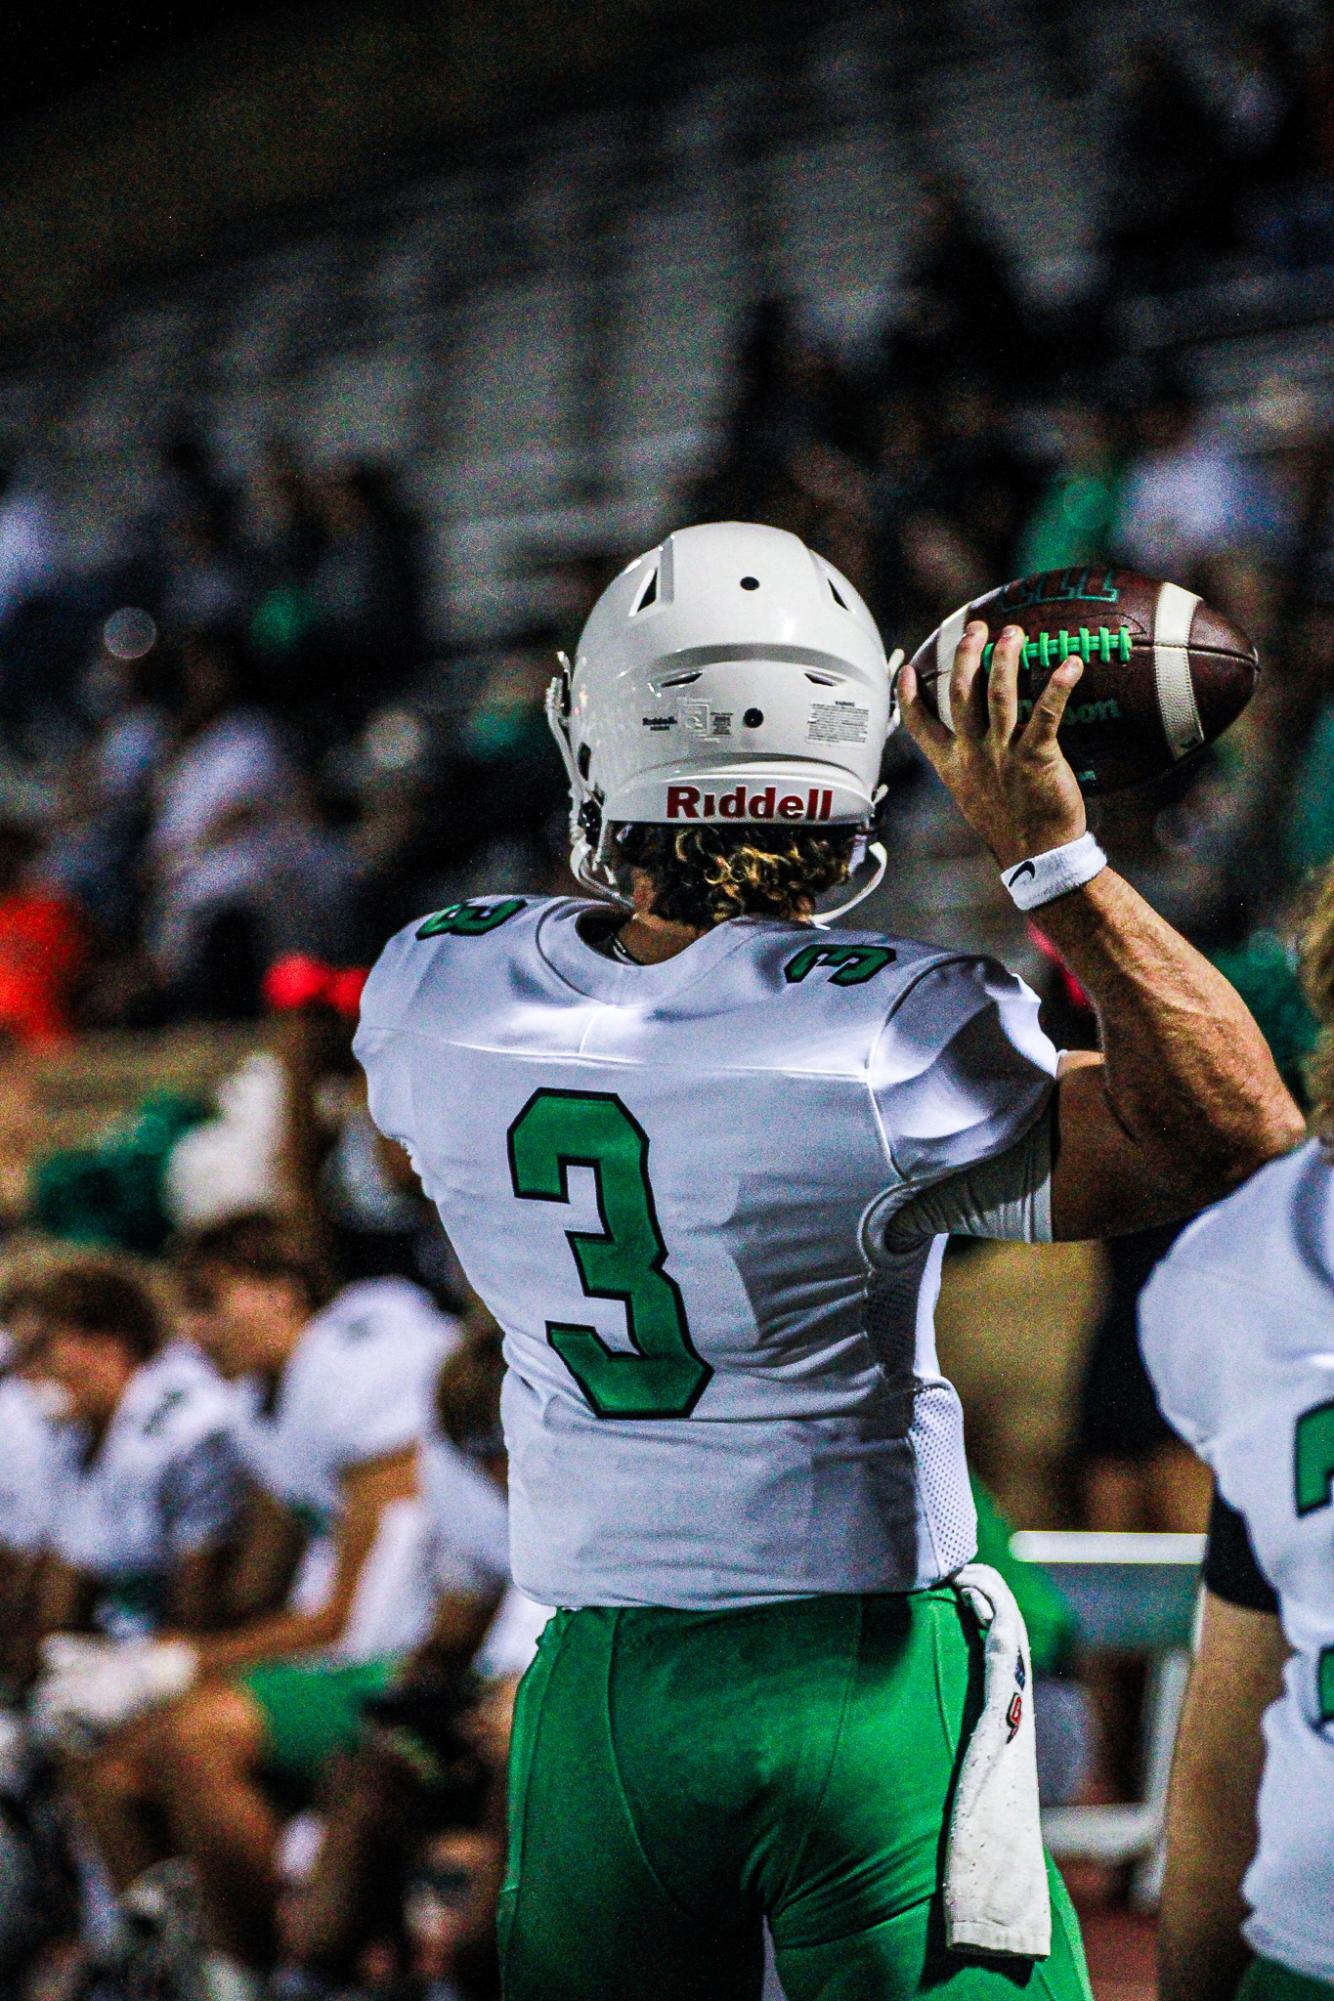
(334, 1394)
(696, 1155)
(151, 1493)
(415, 1736)
(33, 1452)
(1238, 1333)
(29, 1470)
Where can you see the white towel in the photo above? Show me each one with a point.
(996, 1895)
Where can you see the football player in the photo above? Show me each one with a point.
(33, 1453)
(334, 1394)
(35, 1450)
(1237, 1326)
(148, 1503)
(698, 1154)
(376, 1810)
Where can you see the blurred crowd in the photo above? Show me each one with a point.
(212, 755)
(252, 1543)
(231, 741)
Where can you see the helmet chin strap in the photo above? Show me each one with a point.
(870, 866)
(593, 867)
(590, 872)
(586, 863)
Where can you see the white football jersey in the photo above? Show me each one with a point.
(1237, 1327)
(357, 1387)
(669, 1184)
(33, 1453)
(165, 1480)
(467, 1521)
(467, 1550)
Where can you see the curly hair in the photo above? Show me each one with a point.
(1317, 973)
(704, 875)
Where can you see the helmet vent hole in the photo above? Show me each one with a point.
(753, 718)
(837, 594)
(750, 583)
(649, 594)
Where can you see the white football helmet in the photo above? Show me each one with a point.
(730, 674)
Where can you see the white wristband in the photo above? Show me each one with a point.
(1045, 877)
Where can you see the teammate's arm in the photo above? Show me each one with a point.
(18, 1584)
(458, 1628)
(65, 1597)
(269, 1549)
(1211, 1803)
(38, 1595)
(1186, 1101)
(195, 1590)
(367, 1490)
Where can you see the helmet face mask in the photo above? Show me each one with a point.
(728, 675)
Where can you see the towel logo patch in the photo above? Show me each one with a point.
(1014, 1715)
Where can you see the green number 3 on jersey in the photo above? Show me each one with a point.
(1314, 1481)
(664, 1377)
(470, 920)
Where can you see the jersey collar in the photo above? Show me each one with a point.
(581, 966)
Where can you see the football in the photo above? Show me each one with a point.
(1164, 675)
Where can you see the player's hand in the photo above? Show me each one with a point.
(91, 1687)
(1013, 785)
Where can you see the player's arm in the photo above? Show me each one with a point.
(1211, 1803)
(65, 1597)
(20, 1579)
(1237, 1673)
(270, 1545)
(458, 1627)
(367, 1490)
(195, 1590)
(1185, 1101)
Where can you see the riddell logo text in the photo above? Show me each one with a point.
(688, 802)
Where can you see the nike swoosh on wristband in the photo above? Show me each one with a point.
(1020, 871)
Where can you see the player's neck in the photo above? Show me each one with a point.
(651, 939)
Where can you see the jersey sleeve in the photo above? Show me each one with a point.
(30, 1469)
(380, 1044)
(1231, 1569)
(376, 1398)
(469, 1521)
(1006, 1198)
(1182, 1311)
(961, 1071)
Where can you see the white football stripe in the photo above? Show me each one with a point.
(1173, 616)
(947, 640)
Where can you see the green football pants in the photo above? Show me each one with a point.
(676, 1777)
(1264, 1980)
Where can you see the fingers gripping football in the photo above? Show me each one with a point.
(1012, 783)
